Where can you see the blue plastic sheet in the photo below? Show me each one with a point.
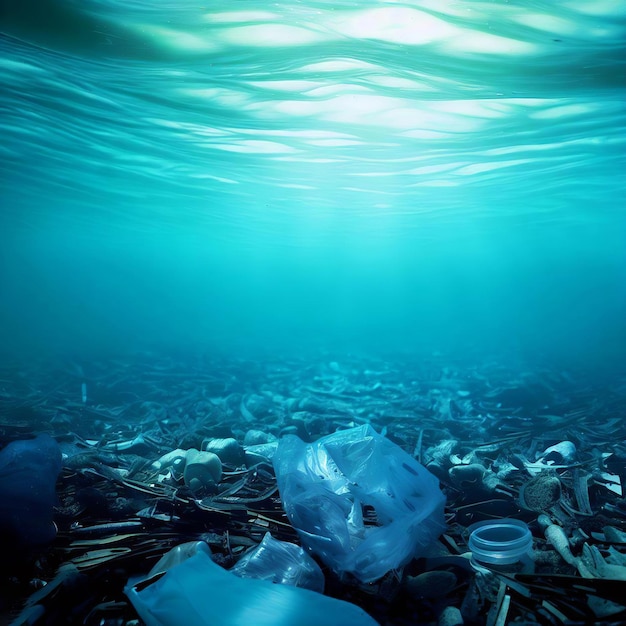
(199, 592)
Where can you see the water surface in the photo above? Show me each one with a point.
(439, 174)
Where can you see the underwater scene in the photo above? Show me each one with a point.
(312, 312)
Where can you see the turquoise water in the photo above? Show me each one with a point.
(438, 175)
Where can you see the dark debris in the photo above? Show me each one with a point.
(483, 430)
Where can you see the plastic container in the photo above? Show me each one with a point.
(500, 542)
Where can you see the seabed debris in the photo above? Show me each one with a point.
(158, 451)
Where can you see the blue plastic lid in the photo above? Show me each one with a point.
(500, 542)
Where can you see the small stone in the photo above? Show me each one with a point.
(203, 470)
(228, 450)
(561, 453)
(256, 437)
(450, 616)
(431, 585)
(541, 492)
(467, 475)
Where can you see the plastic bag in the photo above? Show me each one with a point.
(280, 562)
(177, 555)
(199, 592)
(325, 486)
(28, 472)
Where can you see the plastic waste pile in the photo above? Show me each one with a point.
(327, 485)
(328, 489)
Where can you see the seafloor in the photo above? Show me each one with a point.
(540, 444)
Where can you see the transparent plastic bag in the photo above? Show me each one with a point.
(325, 487)
(280, 562)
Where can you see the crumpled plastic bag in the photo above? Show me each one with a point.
(282, 563)
(199, 592)
(326, 485)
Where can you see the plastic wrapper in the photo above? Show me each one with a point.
(280, 562)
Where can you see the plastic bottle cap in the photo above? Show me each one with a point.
(500, 542)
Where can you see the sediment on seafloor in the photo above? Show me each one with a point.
(157, 452)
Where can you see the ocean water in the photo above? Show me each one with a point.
(374, 175)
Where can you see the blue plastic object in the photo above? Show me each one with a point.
(199, 592)
(28, 472)
(500, 542)
(325, 486)
(280, 562)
